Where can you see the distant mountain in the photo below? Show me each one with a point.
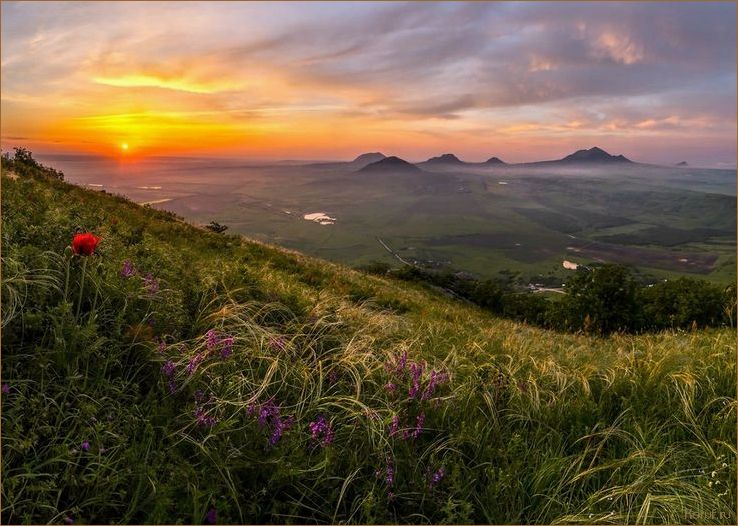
(446, 158)
(594, 155)
(390, 164)
(449, 161)
(367, 158)
(360, 162)
(682, 163)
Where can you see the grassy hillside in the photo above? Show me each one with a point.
(182, 376)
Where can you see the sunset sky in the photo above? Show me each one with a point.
(522, 81)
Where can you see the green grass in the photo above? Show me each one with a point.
(531, 427)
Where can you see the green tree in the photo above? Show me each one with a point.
(602, 300)
(681, 303)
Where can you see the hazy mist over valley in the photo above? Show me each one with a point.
(446, 213)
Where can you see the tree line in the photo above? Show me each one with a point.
(600, 299)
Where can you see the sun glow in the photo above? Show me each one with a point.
(124, 146)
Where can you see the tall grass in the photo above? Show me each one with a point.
(103, 421)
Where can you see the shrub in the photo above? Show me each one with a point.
(25, 165)
(682, 302)
(216, 227)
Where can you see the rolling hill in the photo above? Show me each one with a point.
(390, 164)
(178, 375)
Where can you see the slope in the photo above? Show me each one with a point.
(180, 375)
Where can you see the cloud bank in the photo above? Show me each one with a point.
(656, 81)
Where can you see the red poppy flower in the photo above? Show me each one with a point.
(84, 244)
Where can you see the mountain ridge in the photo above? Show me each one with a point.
(587, 156)
(446, 158)
(390, 164)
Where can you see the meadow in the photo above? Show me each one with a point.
(176, 375)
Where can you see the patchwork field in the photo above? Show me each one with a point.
(653, 218)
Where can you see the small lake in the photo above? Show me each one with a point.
(319, 217)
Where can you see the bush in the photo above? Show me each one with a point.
(378, 268)
(25, 165)
(681, 303)
(216, 227)
(527, 307)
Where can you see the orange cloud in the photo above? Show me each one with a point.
(619, 48)
(177, 84)
(156, 132)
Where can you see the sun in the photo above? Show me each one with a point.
(124, 146)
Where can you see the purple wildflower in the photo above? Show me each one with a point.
(128, 269)
(390, 387)
(193, 363)
(268, 412)
(85, 446)
(227, 349)
(416, 371)
(389, 477)
(321, 432)
(172, 387)
(279, 426)
(399, 365)
(161, 347)
(199, 395)
(211, 340)
(437, 477)
(212, 516)
(435, 380)
(419, 421)
(402, 362)
(68, 520)
(203, 419)
(6, 388)
(168, 368)
(277, 343)
(151, 283)
(395, 425)
(269, 417)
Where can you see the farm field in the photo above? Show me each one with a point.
(663, 221)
